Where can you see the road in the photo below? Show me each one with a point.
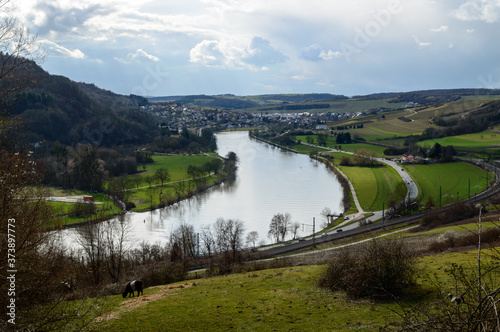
(411, 193)
(350, 231)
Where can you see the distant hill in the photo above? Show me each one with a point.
(58, 109)
(325, 102)
(228, 101)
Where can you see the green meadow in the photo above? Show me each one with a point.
(175, 164)
(375, 186)
(452, 178)
(62, 211)
(483, 143)
(353, 147)
(285, 299)
(138, 192)
(478, 140)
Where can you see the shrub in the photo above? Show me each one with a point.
(162, 273)
(375, 270)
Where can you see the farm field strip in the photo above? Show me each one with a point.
(374, 187)
(431, 177)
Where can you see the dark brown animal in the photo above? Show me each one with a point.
(131, 287)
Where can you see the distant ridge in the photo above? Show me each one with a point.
(230, 101)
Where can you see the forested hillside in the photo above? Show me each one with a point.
(58, 109)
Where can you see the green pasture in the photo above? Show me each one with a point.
(61, 210)
(305, 149)
(332, 144)
(452, 178)
(286, 299)
(482, 140)
(375, 186)
(175, 164)
(339, 106)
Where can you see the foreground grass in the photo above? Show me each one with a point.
(280, 299)
(285, 299)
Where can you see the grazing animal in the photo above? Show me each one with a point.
(455, 299)
(131, 287)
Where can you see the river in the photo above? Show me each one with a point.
(269, 181)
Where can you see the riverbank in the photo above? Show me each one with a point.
(349, 195)
(125, 193)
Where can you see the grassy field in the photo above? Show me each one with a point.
(285, 299)
(332, 144)
(486, 142)
(270, 300)
(61, 210)
(340, 106)
(375, 186)
(452, 178)
(175, 164)
(406, 122)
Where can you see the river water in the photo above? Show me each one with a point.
(269, 181)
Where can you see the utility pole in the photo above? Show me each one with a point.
(314, 232)
(383, 213)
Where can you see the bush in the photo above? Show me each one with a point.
(164, 273)
(374, 270)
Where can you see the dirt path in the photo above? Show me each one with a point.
(140, 301)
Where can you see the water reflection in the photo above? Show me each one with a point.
(269, 181)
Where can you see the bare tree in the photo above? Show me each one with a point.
(252, 237)
(19, 53)
(274, 228)
(184, 237)
(180, 189)
(91, 239)
(326, 213)
(208, 239)
(229, 236)
(149, 180)
(117, 236)
(294, 229)
(162, 174)
(280, 226)
(40, 263)
(137, 180)
(151, 194)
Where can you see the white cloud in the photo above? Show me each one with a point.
(217, 54)
(330, 55)
(315, 52)
(260, 53)
(61, 50)
(421, 43)
(142, 54)
(479, 10)
(231, 54)
(442, 28)
(351, 43)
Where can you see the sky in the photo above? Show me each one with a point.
(249, 47)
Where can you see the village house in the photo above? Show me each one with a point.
(408, 157)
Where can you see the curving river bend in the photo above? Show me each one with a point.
(269, 181)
